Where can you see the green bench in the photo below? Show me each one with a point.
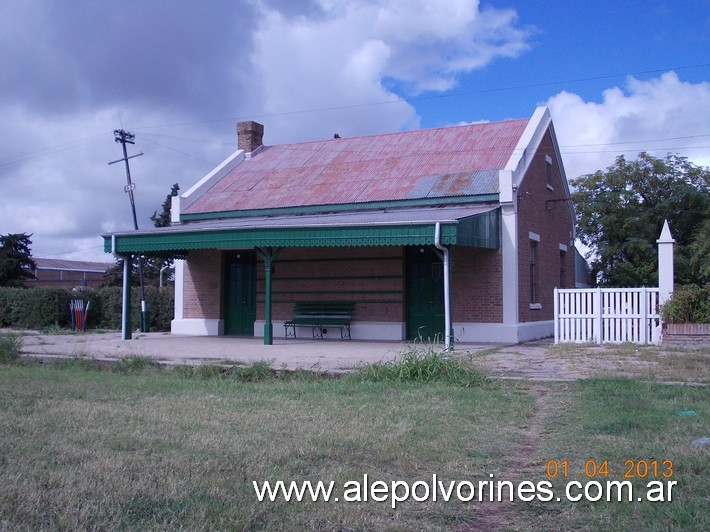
(319, 316)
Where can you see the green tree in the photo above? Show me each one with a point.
(163, 219)
(620, 213)
(16, 262)
(152, 264)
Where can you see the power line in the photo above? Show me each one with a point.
(45, 255)
(75, 145)
(59, 149)
(429, 97)
(636, 141)
(634, 149)
(180, 152)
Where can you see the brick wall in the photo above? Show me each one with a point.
(553, 222)
(203, 292)
(686, 334)
(373, 278)
(476, 290)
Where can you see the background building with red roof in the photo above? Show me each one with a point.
(68, 273)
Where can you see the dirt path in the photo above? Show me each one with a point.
(505, 515)
(543, 361)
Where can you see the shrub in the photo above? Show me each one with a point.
(688, 304)
(35, 308)
(43, 307)
(7, 297)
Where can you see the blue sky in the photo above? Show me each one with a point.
(618, 77)
(586, 48)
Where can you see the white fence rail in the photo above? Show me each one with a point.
(607, 315)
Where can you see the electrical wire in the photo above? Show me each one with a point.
(99, 139)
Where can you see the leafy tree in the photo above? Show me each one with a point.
(152, 264)
(16, 262)
(620, 214)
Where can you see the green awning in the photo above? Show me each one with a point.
(473, 225)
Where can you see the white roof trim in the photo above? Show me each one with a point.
(207, 182)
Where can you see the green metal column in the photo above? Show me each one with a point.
(126, 309)
(268, 255)
(268, 326)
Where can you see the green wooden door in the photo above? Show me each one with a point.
(240, 296)
(425, 295)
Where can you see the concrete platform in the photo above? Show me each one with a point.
(324, 355)
(538, 360)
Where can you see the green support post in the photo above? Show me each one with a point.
(269, 255)
(268, 326)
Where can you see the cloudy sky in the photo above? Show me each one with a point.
(618, 77)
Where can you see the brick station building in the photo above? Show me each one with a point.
(385, 222)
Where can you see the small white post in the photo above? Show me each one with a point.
(665, 264)
(645, 320)
(556, 314)
(598, 315)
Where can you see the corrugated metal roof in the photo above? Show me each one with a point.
(395, 216)
(443, 162)
(71, 265)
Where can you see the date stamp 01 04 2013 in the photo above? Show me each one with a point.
(630, 469)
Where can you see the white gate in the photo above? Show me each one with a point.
(607, 315)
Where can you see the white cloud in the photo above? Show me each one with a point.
(64, 192)
(260, 59)
(660, 116)
(348, 55)
(433, 41)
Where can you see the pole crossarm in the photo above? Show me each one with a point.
(124, 137)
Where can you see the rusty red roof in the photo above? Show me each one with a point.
(427, 163)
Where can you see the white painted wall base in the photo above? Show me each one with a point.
(197, 327)
(534, 330)
(373, 330)
(502, 333)
(384, 331)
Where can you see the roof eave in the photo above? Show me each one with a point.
(342, 207)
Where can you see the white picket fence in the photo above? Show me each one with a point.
(607, 315)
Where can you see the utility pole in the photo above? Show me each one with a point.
(124, 137)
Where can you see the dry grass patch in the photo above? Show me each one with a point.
(622, 420)
(151, 449)
(662, 363)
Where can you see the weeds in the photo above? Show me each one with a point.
(210, 371)
(422, 364)
(78, 361)
(9, 348)
(256, 372)
(133, 364)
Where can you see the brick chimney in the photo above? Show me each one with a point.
(250, 135)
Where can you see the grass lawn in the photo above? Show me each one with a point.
(84, 448)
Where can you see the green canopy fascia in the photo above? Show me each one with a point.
(481, 230)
